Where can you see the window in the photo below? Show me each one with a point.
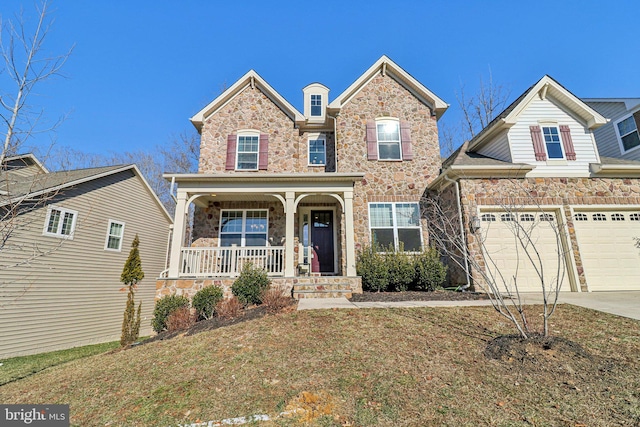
(546, 217)
(628, 131)
(243, 228)
(580, 217)
(552, 142)
(395, 225)
(617, 217)
(316, 105)
(488, 217)
(115, 232)
(317, 150)
(634, 217)
(247, 152)
(599, 217)
(60, 222)
(388, 133)
(527, 218)
(508, 217)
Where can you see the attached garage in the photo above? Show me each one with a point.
(610, 259)
(512, 239)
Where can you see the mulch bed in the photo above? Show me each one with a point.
(440, 295)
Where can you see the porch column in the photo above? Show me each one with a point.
(289, 232)
(350, 234)
(178, 234)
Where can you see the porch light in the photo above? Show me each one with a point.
(474, 225)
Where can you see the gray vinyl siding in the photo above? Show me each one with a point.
(606, 136)
(498, 148)
(540, 110)
(71, 296)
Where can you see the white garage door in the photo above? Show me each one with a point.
(512, 240)
(610, 259)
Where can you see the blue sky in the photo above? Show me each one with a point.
(140, 69)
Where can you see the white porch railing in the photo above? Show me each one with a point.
(229, 261)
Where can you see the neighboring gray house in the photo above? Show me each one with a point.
(60, 268)
(621, 136)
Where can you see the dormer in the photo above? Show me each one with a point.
(316, 96)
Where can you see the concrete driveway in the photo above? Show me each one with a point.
(626, 304)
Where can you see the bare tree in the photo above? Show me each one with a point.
(26, 65)
(477, 112)
(468, 253)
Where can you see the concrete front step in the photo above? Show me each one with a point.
(322, 294)
(321, 287)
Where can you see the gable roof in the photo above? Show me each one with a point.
(545, 86)
(24, 160)
(28, 187)
(386, 66)
(250, 79)
(629, 103)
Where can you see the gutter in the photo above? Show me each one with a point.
(462, 233)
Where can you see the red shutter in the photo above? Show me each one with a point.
(372, 141)
(538, 144)
(231, 152)
(263, 155)
(567, 142)
(405, 135)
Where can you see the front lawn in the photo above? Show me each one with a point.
(389, 367)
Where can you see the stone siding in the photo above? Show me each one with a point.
(252, 109)
(386, 181)
(541, 192)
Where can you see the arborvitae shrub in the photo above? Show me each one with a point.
(250, 284)
(370, 265)
(131, 274)
(430, 271)
(164, 307)
(205, 301)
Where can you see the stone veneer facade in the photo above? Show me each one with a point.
(565, 192)
(386, 181)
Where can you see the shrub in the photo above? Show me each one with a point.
(131, 274)
(179, 319)
(370, 265)
(275, 299)
(250, 284)
(164, 307)
(228, 308)
(205, 301)
(401, 270)
(430, 271)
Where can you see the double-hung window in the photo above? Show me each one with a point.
(395, 226)
(316, 105)
(115, 232)
(388, 134)
(317, 150)
(552, 142)
(60, 222)
(247, 151)
(243, 227)
(628, 132)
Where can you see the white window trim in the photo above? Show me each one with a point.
(252, 133)
(619, 137)
(396, 242)
(243, 233)
(314, 137)
(57, 233)
(106, 240)
(316, 116)
(557, 160)
(389, 119)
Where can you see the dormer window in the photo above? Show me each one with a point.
(316, 105)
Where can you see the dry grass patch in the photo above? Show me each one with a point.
(390, 367)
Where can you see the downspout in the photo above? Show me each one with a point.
(462, 233)
(335, 139)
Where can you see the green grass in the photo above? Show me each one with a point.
(367, 367)
(17, 368)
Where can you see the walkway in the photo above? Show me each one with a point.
(625, 304)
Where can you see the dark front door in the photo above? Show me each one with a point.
(322, 240)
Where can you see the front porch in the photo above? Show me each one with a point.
(299, 228)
